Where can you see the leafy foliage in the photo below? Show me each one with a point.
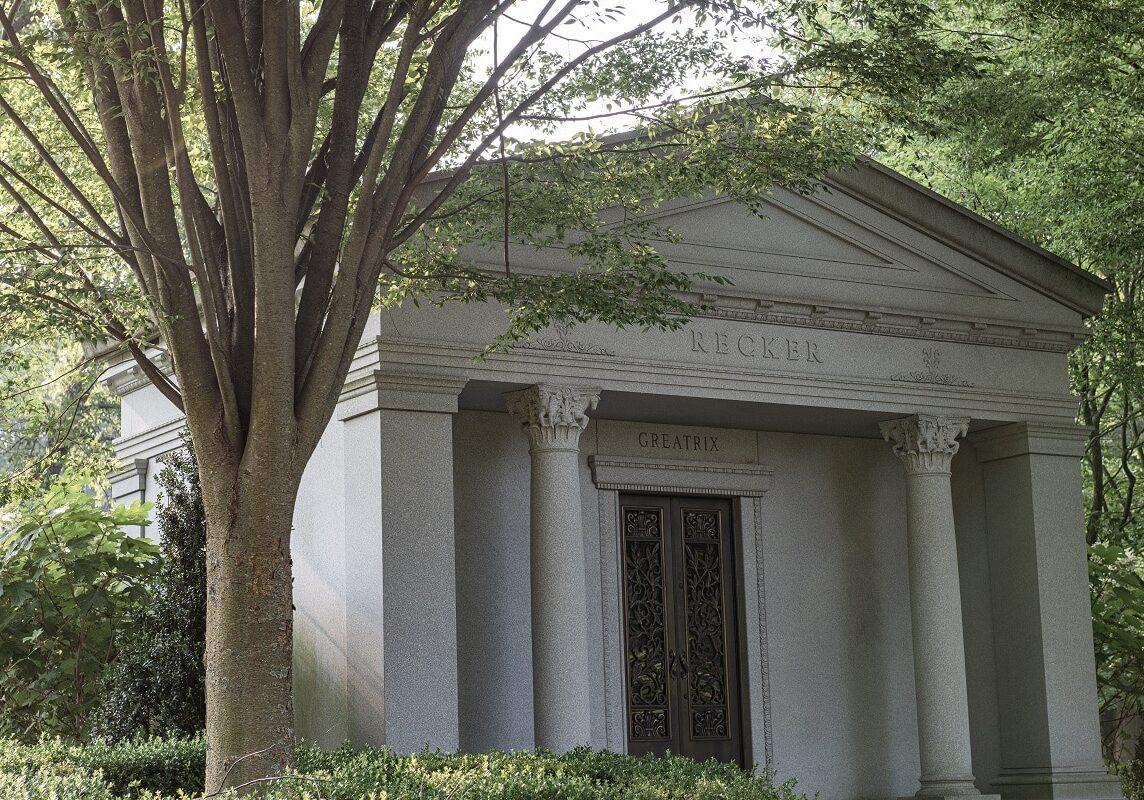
(1132, 779)
(241, 181)
(1047, 139)
(69, 578)
(155, 686)
(105, 770)
(55, 416)
(158, 769)
(1116, 571)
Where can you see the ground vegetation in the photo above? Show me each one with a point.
(230, 189)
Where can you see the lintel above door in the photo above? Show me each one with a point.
(629, 474)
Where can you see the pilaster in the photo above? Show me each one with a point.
(400, 559)
(1042, 619)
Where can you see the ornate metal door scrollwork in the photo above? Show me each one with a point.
(679, 626)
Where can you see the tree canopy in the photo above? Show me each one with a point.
(236, 184)
(1047, 138)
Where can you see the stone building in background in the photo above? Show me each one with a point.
(834, 525)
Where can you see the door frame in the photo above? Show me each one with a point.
(745, 486)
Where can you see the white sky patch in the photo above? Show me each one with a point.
(590, 25)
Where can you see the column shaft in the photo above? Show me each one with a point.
(926, 446)
(554, 417)
(939, 646)
(559, 603)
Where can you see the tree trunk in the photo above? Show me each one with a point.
(250, 716)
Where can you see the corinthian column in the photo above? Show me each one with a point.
(553, 417)
(926, 445)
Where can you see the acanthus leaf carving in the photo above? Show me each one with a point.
(553, 416)
(931, 359)
(925, 442)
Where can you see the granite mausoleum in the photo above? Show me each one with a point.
(833, 525)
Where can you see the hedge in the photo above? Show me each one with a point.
(1132, 779)
(155, 769)
(123, 770)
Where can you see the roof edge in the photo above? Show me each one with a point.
(939, 217)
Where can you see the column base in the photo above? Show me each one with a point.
(1061, 783)
(975, 795)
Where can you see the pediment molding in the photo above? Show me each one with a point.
(828, 243)
(882, 321)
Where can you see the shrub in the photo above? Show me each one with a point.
(45, 784)
(155, 687)
(141, 769)
(1132, 779)
(126, 769)
(69, 577)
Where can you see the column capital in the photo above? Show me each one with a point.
(553, 416)
(925, 443)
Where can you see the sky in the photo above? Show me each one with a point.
(595, 22)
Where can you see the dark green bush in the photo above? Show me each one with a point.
(155, 687)
(151, 769)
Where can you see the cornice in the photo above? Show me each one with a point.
(400, 390)
(131, 378)
(940, 218)
(627, 474)
(885, 322)
(151, 441)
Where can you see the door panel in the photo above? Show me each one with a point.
(645, 607)
(680, 627)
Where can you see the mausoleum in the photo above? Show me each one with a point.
(834, 525)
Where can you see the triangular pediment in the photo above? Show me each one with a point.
(802, 238)
(872, 242)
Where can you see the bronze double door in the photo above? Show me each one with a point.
(680, 627)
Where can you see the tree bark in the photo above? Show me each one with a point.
(250, 717)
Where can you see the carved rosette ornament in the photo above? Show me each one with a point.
(553, 416)
(925, 443)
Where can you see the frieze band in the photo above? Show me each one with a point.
(748, 345)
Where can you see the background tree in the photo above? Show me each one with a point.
(261, 169)
(55, 415)
(1048, 140)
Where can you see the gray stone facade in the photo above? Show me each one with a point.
(913, 612)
